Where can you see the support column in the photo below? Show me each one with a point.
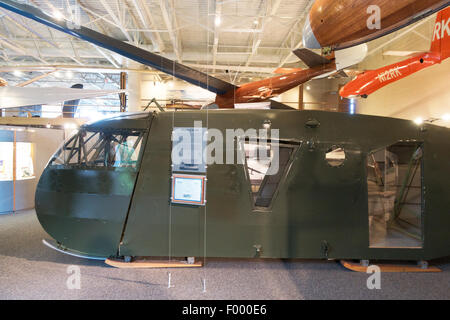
(343, 103)
(123, 96)
(134, 92)
(301, 106)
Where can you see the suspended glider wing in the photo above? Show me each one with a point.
(12, 97)
(152, 60)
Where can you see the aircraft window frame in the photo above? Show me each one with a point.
(292, 144)
(392, 178)
(106, 150)
(332, 149)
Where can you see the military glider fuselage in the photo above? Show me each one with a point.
(345, 188)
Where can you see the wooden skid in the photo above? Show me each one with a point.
(151, 264)
(355, 266)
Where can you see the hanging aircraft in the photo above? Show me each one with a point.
(344, 23)
(227, 94)
(20, 96)
(370, 81)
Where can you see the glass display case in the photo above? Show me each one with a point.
(17, 170)
(6, 161)
(24, 161)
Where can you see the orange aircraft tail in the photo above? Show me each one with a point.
(441, 35)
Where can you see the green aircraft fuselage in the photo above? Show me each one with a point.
(388, 199)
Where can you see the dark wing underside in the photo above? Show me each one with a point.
(152, 60)
(310, 58)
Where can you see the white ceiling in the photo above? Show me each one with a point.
(253, 39)
(254, 36)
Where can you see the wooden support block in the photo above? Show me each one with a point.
(151, 264)
(355, 266)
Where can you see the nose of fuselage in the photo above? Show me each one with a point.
(309, 39)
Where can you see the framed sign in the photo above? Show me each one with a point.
(188, 189)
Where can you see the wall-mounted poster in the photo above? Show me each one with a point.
(24, 162)
(6, 161)
(188, 189)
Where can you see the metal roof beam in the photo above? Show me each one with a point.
(19, 49)
(148, 22)
(299, 44)
(115, 19)
(106, 55)
(172, 33)
(257, 39)
(216, 34)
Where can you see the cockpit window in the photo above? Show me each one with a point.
(117, 149)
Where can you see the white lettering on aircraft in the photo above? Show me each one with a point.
(389, 75)
(441, 29)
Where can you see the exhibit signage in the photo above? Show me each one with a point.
(188, 189)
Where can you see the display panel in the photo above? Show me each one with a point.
(188, 189)
(24, 161)
(6, 161)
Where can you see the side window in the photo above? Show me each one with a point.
(101, 149)
(394, 179)
(266, 166)
(335, 156)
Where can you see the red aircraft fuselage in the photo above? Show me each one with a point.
(371, 81)
(259, 91)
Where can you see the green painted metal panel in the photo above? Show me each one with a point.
(319, 211)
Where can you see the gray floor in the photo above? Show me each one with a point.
(29, 270)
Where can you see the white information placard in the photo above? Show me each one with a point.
(188, 189)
